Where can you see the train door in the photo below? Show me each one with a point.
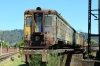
(37, 28)
(38, 22)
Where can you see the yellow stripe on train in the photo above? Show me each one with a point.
(36, 29)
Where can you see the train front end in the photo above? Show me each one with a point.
(34, 34)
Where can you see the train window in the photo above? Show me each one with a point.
(38, 21)
(28, 21)
(48, 20)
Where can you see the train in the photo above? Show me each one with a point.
(46, 28)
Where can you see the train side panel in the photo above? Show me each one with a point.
(54, 23)
(64, 32)
(27, 28)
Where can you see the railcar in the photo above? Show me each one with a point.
(45, 28)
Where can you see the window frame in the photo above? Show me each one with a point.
(50, 15)
(30, 22)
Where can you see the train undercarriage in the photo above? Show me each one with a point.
(44, 50)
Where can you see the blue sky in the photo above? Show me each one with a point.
(73, 11)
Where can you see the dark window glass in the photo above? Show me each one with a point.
(38, 21)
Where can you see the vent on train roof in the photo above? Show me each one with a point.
(38, 8)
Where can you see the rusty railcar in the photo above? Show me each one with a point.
(44, 28)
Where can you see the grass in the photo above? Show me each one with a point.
(93, 53)
(16, 62)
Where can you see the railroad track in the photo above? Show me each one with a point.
(4, 57)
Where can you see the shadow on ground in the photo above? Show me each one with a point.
(68, 60)
(23, 65)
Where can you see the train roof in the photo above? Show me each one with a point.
(47, 11)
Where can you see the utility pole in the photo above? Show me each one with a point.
(99, 21)
(99, 28)
(89, 26)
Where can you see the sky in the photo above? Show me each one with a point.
(75, 12)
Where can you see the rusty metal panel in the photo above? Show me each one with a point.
(49, 35)
(54, 29)
(50, 29)
(59, 29)
(33, 51)
(27, 27)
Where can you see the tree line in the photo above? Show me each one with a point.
(11, 36)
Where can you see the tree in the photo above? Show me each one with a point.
(21, 43)
(94, 42)
(4, 44)
(16, 45)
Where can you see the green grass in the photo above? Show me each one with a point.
(16, 62)
(93, 53)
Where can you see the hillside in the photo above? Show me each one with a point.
(11, 36)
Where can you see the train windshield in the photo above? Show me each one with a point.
(38, 21)
(28, 21)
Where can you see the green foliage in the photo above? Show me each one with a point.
(4, 44)
(93, 42)
(53, 59)
(36, 60)
(21, 43)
